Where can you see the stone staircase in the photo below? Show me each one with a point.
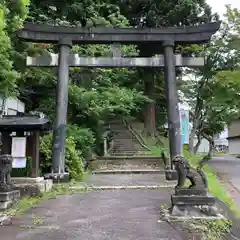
(130, 165)
(128, 172)
(126, 142)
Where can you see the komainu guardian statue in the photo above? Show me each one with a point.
(5, 172)
(185, 171)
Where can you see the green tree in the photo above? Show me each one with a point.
(94, 94)
(212, 93)
(12, 15)
(161, 13)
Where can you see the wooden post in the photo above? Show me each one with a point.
(33, 147)
(6, 143)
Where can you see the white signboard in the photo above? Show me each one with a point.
(19, 162)
(19, 147)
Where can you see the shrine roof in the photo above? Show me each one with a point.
(25, 123)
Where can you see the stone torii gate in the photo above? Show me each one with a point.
(65, 37)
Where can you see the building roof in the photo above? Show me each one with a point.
(25, 123)
(233, 137)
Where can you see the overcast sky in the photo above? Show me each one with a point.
(219, 5)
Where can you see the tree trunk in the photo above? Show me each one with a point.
(211, 144)
(150, 107)
(191, 140)
(211, 147)
(195, 148)
(196, 123)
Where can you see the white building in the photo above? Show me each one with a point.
(220, 142)
(11, 106)
(234, 137)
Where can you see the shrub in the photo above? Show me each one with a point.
(74, 157)
(83, 138)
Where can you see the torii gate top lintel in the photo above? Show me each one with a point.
(43, 33)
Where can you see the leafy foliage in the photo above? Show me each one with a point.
(213, 91)
(94, 94)
(12, 14)
(74, 158)
(162, 13)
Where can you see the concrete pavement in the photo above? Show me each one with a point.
(102, 215)
(228, 169)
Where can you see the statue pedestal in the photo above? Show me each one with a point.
(8, 198)
(186, 200)
(32, 186)
(193, 205)
(58, 177)
(191, 191)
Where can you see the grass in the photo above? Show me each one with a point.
(215, 187)
(221, 154)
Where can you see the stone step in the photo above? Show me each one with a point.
(123, 141)
(128, 154)
(122, 149)
(119, 129)
(153, 187)
(123, 138)
(126, 141)
(129, 150)
(122, 153)
(131, 143)
(132, 158)
(134, 148)
(130, 171)
(131, 181)
(127, 144)
(126, 164)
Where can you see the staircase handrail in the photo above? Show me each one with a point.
(135, 134)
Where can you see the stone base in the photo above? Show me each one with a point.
(5, 220)
(196, 211)
(7, 199)
(171, 175)
(191, 191)
(186, 200)
(191, 213)
(23, 180)
(9, 196)
(57, 177)
(32, 186)
(48, 185)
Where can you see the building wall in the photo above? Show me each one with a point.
(234, 146)
(234, 129)
(12, 106)
(204, 146)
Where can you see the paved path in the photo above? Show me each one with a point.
(228, 169)
(103, 215)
